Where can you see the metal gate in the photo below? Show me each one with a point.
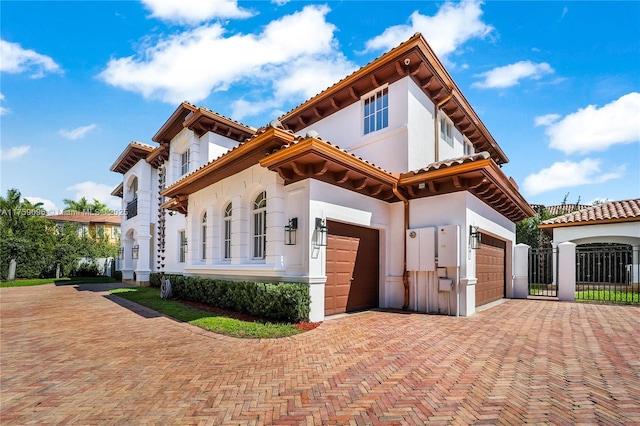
(542, 278)
(607, 273)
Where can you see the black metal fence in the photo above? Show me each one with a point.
(542, 279)
(607, 273)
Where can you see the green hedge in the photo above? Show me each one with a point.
(287, 302)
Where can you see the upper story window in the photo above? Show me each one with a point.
(376, 111)
(446, 131)
(260, 226)
(204, 236)
(227, 232)
(468, 147)
(185, 158)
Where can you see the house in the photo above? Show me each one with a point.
(615, 223)
(96, 226)
(384, 190)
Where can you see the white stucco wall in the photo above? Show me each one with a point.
(622, 233)
(462, 209)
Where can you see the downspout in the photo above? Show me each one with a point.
(436, 127)
(405, 277)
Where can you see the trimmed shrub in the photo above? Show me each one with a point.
(287, 302)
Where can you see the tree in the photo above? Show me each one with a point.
(527, 231)
(78, 206)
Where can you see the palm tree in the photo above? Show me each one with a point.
(9, 207)
(78, 206)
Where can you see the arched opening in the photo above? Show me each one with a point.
(132, 198)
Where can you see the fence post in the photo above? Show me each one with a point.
(521, 271)
(567, 271)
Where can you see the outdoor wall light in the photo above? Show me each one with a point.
(121, 252)
(135, 251)
(290, 232)
(475, 238)
(321, 232)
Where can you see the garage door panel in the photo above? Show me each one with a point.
(351, 268)
(490, 270)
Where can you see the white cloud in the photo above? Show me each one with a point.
(453, 25)
(99, 191)
(14, 59)
(195, 12)
(3, 110)
(546, 120)
(180, 66)
(47, 205)
(510, 75)
(566, 174)
(280, 2)
(77, 133)
(596, 129)
(14, 152)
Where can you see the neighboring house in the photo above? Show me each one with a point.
(391, 156)
(612, 223)
(93, 225)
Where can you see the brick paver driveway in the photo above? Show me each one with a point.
(79, 356)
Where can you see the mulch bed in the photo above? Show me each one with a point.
(304, 326)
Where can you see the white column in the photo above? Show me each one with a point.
(567, 271)
(521, 271)
(142, 268)
(275, 226)
(127, 261)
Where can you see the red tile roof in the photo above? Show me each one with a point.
(613, 211)
(560, 209)
(77, 217)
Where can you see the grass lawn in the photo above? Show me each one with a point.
(218, 323)
(607, 296)
(60, 281)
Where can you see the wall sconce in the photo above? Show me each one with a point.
(290, 232)
(475, 238)
(135, 251)
(121, 252)
(321, 232)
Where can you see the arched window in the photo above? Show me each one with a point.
(204, 236)
(260, 226)
(227, 232)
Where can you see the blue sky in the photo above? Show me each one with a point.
(556, 83)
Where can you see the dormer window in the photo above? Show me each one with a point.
(376, 111)
(185, 158)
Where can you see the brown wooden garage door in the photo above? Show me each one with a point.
(490, 261)
(352, 268)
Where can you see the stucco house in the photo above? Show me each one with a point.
(384, 190)
(96, 226)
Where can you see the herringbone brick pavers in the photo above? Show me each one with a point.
(83, 357)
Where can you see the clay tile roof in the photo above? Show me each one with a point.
(78, 217)
(318, 138)
(453, 162)
(613, 211)
(560, 209)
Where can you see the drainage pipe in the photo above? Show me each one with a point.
(405, 277)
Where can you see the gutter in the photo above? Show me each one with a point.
(405, 274)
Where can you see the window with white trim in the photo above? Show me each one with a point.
(227, 232)
(260, 226)
(204, 236)
(185, 158)
(446, 130)
(468, 147)
(182, 240)
(376, 111)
